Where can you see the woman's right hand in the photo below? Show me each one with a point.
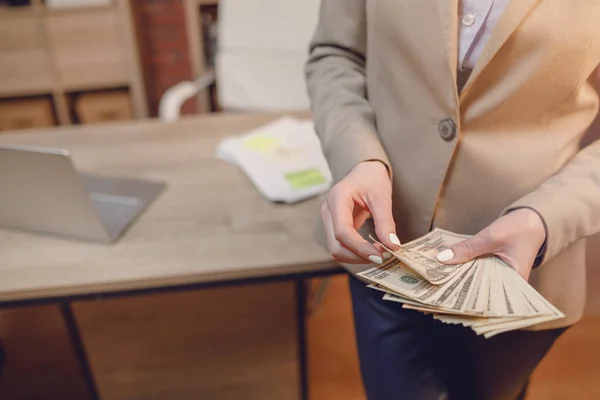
(366, 190)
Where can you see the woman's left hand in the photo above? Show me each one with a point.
(515, 237)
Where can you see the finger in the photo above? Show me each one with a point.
(341, 210)
(467, 250)
(360, 216)
(337, 252)
(341, 254)
(386, 255)
(380, 205)
(379, 247)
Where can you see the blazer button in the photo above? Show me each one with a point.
(447, 129)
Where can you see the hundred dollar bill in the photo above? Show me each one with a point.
(397, 278)
(420, 255)
(485, 295)
(404, 300)
(472, 321)
(444, 295)
(458, 299)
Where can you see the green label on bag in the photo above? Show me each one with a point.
(305, 178)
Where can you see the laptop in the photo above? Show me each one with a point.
(41, 191)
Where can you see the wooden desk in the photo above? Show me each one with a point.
(210, 227)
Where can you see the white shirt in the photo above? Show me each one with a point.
(476, 21)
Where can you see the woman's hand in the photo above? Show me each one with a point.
(515, 237)
(365, 191)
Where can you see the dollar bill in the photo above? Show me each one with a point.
(420, 255)
(485, 294)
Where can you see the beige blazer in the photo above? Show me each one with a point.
(382, 78)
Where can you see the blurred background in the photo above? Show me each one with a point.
(72, 63)
(80, 62)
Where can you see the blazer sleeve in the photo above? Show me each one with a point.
(569, 202)
(336, 83)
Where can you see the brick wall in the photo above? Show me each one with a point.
(163, 44)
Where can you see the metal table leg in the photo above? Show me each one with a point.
(301, 321)
(77, 345)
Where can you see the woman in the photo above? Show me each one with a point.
(466, 115)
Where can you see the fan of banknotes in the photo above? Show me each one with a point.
(485, 294)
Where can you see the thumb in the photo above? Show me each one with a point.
(466, 250)
(380, 206)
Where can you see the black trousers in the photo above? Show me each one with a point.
(405, 354)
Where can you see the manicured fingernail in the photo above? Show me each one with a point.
(394, 239)
(376, 259)
(445, 255)
(386, 255)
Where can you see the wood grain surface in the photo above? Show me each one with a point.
(210, 224)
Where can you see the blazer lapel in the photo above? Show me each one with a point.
(448, 14)
(515, 12)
